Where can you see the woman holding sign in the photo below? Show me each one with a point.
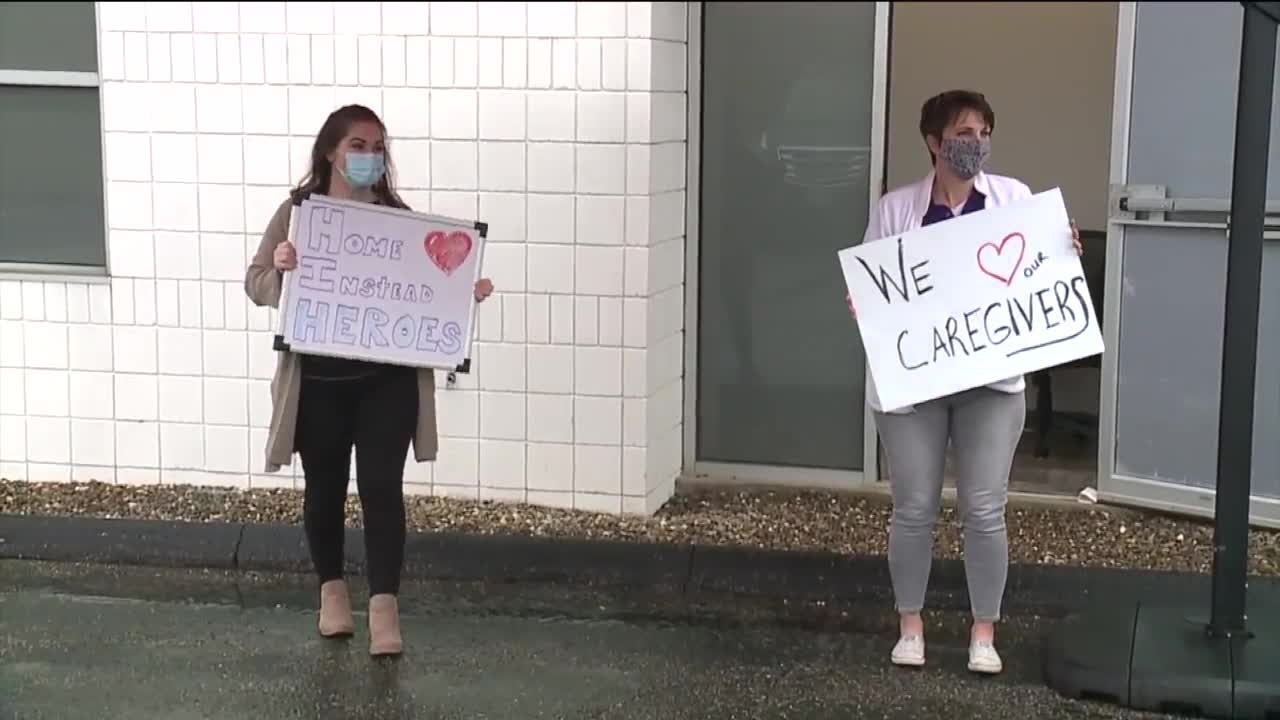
(323, 407)
(983, 425)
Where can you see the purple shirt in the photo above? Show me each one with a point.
(937, 213)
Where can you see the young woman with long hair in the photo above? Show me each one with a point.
(323, 407)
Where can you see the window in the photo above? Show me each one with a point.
(52, 212)
(785, 180)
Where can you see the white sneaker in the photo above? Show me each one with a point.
(909, 651)
(983, 658)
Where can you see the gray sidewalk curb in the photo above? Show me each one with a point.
(688, 569)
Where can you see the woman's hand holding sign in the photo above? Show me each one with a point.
(285, 258)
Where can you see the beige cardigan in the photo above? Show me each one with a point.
(262, 283)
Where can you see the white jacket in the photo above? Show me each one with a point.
(902, 210)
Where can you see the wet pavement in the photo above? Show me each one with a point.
(142, 644)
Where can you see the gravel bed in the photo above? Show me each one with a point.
(1060, 535)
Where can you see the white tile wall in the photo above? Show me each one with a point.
(561, 124)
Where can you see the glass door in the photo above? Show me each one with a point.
(1166, 267)
(787, 165)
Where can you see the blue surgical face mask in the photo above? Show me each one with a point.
(364, 169)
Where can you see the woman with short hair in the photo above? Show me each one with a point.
(982, 424)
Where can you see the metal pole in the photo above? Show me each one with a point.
(1240, 333)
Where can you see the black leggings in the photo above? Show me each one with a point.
(377, 415)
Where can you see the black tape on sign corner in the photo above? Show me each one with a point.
(465, 367)
(279, 345)
(482, 228)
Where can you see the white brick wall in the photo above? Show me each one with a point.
(561, 124)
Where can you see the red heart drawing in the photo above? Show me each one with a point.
(1001, 259)
(448, 250)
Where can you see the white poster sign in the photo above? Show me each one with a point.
(976, 299)
(381, 284)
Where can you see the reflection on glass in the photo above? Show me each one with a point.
(823, 167)
(786, 136)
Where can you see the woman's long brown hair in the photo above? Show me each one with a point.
(335, 128)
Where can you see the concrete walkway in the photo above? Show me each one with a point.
(102, 643)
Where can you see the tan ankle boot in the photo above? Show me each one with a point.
(384, 625)
(335, 610)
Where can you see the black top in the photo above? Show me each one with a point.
(319, 367)
(938, 212)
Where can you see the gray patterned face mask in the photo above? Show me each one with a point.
(966, 155)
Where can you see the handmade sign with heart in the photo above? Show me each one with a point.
(448, 250)
(1002, 261)
(970, 302)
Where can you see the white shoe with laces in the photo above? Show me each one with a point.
(983, 657)
(909, 651)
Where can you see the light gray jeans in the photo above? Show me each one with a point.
(983, 426)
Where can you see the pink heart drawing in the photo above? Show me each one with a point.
(448, 250)
(1001, 259)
